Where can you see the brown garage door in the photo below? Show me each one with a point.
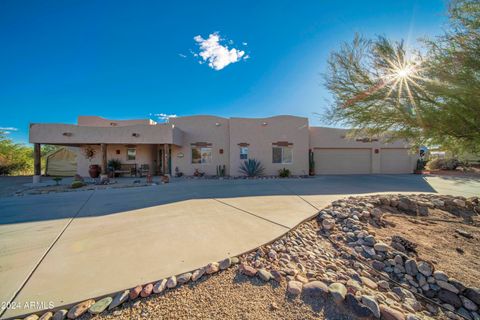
(342, 161)
(396, 161)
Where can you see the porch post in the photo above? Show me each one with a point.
(103, 149)
(165, 162)
(37, 166)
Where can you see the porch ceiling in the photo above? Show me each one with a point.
(66, 134)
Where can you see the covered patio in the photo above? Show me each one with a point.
(138, 149)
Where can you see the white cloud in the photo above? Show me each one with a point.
(8, 130)
(182, 55)
(163, 116)
(217, 55)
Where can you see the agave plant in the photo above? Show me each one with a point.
(251, 168)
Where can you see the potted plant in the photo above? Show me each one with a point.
(114, 165)
(94, 169)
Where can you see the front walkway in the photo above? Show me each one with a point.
(66, 247)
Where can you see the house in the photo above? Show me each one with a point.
(206, 142)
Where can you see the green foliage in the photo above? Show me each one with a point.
(221, 170)
(311, 163)
(421, 164)
(114, 164)
(436, 103)
(252, 168)
(284, 173)
(77, 184)
(15, 158)
(57, 180)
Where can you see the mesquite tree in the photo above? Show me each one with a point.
(430, 97)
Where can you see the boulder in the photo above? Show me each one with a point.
(315, 288)
(356, 307)
(371, 303)
(450, 298)
(473, 294)
(390, 314)
(294, 287)
(338, 291)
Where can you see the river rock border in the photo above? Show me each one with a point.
(370, 278)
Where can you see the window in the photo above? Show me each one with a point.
(282, 155)
(131, 153)
(243, 153)
(201, 155)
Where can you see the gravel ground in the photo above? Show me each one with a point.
(228, 295)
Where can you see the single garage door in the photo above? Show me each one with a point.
(396, 161)
(343, 161)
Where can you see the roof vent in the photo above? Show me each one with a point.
(67, 134)
(136, 135)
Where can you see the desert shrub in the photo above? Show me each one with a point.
(443, 164)
(77, 184)
(252, 168)
(284, 173)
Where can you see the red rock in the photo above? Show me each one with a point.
(390, 314)
(80, 309)
(147, 290)
(248, 271)
(135, 292)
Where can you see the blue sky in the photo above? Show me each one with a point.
(130, 59)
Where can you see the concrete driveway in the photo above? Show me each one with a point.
(61, 248)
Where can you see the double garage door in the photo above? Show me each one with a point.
(359, 161)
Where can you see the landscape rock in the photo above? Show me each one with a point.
(447, 286)
(46, 316)
(294, 287)
(264, 275)
(184, 278)
(61, 314)
(356, 307)
(390, 314)
(147, 290)
(371, 303)
(172, 282)
(100, 306)
(473, 294)
(450, 298)
(468, 304)
(160, 286)
(369, 283)
(120, 298)
(197, 274)
(338, 292)
(248, 270)
(79, 309)
(315, 288)
(425, 268)
(381, 247)
(328, 224)
(135, 292)
(440, 275)
(411, 267)
(212, 267)
(225, 264)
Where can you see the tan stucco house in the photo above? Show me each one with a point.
(206, 142)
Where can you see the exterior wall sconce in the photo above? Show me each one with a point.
(218, 124)
(376, 151)
(117, 151)
(136, 135)
(220, 151)
(67, 134)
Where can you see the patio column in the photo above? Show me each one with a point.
(37, 165)
(103, 150)
(166, 150)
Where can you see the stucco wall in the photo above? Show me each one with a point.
(261, 133)
(145, 155)
(95, 121)
(209, 129)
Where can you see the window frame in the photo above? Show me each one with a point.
(201, 151)
(134, 156)
(282, 155)
(243, 153)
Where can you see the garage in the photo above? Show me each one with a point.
(343, 161)
(396, 161)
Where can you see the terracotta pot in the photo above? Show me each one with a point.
(94, 171)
